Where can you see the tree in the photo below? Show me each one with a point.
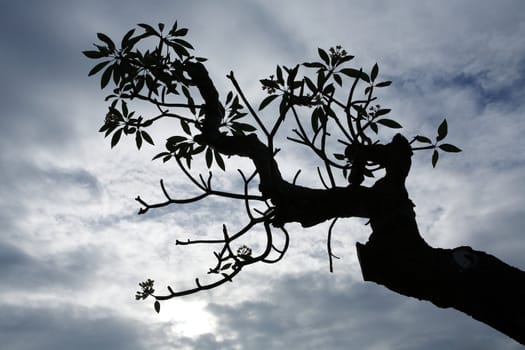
(330, 109)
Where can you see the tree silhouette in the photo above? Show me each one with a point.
(330, 109)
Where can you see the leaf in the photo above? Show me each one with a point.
(321, 79)
(209, 157)
(389, 123)
(116, 137)
(374, 72)
(338, 79)
(183, 43)
(124, 108)
(423, 139)
(279, 73)
(149, 29)
(351, 72)
(365, 77)
(354, 73)
(185, 127)
(381, 112)
(125, 39)
(324, 56)
(442, 130)
(138, 140)
(104, 127)
(283, 107)
(105, 77)
(245, 127)
(97, 68)
(198, 149)
(447, 147)
(219, 160)
(173, 141)
(345, 59)
(317, 115)
(229, 97)
(267, 101)
(93, 54)
(161, 154)
(179, 50)
(156, 305)
(146, 137)
(314, 65)
(181, 32)
(106, 40)
(226, 266)
(339, 156)
(384, 83)
(435, 157)
(310, 84)
(329, 89)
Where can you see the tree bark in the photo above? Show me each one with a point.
(395, 256)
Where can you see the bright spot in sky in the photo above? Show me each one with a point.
(188, 318)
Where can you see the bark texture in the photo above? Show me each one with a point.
(395, 256)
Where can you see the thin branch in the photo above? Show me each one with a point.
(423, 148)
(280, 251)
(321, 178)
(296, 176)
(248, 105)
(188, 175)
(348, 110)
(325, 158)
(168, 202)
(199, 241)
(173, 115)
(163, 104)
(172, 294)
(329, 245)
(164, 190)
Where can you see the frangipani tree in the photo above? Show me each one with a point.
(331, 109)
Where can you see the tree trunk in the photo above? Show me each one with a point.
(470, 281)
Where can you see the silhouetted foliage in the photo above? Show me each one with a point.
(324, 104)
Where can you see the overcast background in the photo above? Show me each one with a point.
(72, 248)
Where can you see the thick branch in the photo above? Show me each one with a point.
(293, 203)
(470, 281)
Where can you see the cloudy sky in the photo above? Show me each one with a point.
(72, 248)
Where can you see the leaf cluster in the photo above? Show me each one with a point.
(442, 132)
(339, 100)
(156, 77)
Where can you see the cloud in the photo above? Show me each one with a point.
(22, 272)
(320, 311)
(66, 326)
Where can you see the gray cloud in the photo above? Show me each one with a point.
(22, 272)
(316, 312)
(71, 327)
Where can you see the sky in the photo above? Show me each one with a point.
(73, 250)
